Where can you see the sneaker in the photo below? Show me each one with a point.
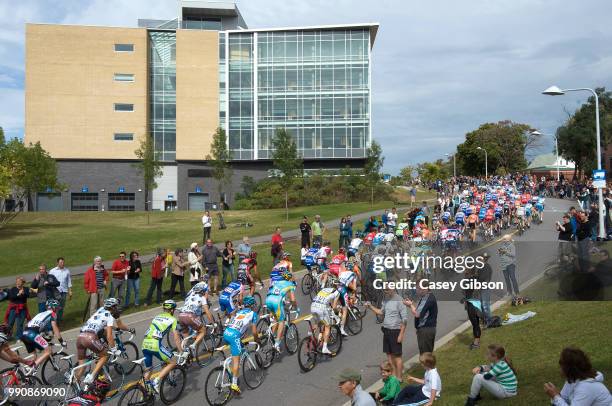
(474, 346)
(192, 347)
(235, 388)
(88, 379)
(470, 402)
(343, 332)
(277, 347)
(326, 351)
(156, 384)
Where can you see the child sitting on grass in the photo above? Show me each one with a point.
(427, 389)
(498, 378)
(386, 395)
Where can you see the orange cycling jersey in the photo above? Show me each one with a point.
(472, 218)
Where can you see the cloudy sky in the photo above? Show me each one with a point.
(440, 68)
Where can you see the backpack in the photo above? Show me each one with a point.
(494, 322)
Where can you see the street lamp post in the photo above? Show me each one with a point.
(556, 91)
(536, 132)
(486, 162)
(454, 164)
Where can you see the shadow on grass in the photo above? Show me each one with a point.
(16, 230)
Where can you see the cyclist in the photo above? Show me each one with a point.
(446, 216)
(98, 326)
(355, 245)
(284, 264)
(337, 263)
(499, 214)
(235, 329)
(488, 220)
(249, 267)
(94, 396)
(32, 338)
(275, 302)
(6, 353)
(347, 289)
(472, 220)
(528, 210)
(229, 298)
(321, 307)
(190, 314)
(460, 220)
(152, 345)
(520, 215)
(539, 206)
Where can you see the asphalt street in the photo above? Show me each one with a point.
(285, 384)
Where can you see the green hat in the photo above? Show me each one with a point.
(348, 374)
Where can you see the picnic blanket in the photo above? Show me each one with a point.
(510, 318)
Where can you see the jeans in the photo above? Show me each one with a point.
(42, 307)
(344, 241)
(485, 299)
(156, 284)
(317, 239)
(118, 285)
(511, 282)
(205, 234)
(96, 300)
(133, 284)
(225, 271)
(17, 318)
(180, 279)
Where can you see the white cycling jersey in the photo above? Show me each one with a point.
(325, 297)
(41, 319)
(346, 277)
(193, 304)
(356, 243)
(242, 320)
(101, 319)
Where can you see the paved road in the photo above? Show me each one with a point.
(285, 384)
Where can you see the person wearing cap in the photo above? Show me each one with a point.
(349, 382)
(484, 275)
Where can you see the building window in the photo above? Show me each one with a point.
(121, 202)
(124, 47)
(124, 137)
(84, 202)
(123, 107)
(124, 77)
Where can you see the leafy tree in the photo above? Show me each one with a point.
(287, 161)
(432, 171)
(248, 186)
(373, 165)
(5, 178)
(148, 166)
(219, 160)
(577, 136)
(406, 174)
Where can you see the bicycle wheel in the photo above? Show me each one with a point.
(134, 396)
(129, 354)
(292, 338)
(117, 376)
(217, 387)
(268, 353)
(54, 368)
(354, 322)
(306, 284)
(252, 373)
(172, 385)
(314, 290)
(334, 342)
(307, 354)
(206, 350)
(258, 303)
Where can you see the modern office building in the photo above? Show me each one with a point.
(93, 93)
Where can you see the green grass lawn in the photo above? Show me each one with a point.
(35, 238)
(533, 346)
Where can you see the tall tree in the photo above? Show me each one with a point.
(407, 173)
(219, 160)
(287, 161)
(432, 171)
(149, 167)
(373, 165)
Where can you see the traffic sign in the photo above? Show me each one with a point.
(198, 189)
(599, 178)
(84, 189)
(121, 189)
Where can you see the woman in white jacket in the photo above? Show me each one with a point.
(195, 266)
(583, 386)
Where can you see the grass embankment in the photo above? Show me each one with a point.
(40, 237)
(533, 346)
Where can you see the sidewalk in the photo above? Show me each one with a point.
(9, 281)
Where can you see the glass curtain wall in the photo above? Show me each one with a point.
(222, 84)
(240, 103)
(315, 84)
(162, 93)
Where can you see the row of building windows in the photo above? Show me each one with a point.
(90, 202)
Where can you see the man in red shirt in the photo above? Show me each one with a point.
(277, 245)
(119, 271)
(157, 276)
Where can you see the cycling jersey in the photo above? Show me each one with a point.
(528, 208)
(460, 218)
(226, 298)
(520, 211)
(336, 264)
(193, 304)
(277, 271)
(42, 321)
(378, 239)
(101, 319)
(346, 277)
(31, 335)
(152, 346)
(276, 296)
(320, 306)
(498, 211)
(236, 328)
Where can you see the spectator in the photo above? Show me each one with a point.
(318, 228)
(583, 384)
(392, 220)
(395, 317)
(384, 218)
(345, 237)
(507, 259)
(45, 285)
(473, 306)
(593, 220)
(371, 225)
(391, 387)
(425, 210)
(194, 259)
(178, 273)
(157, 276)
(277, 246)
(425, 319)
(17, 311)
(484, 276)
(498, 378)
(244, 249)
(413, 193)
(305, 232)
(168, 262)
(349, 221)
(210, 253)
(227, 264)
(206, 226)
(349, 382)
(427, 389)
(95, 280)
(119, 271)
(583, 234)
(62, 274)
(133, 279)
(573, 221)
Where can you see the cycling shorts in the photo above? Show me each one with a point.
(190, 320)
(322, 262)
(157, 350)
(33, 340)
(226, 304)
(322, 313)
(275, 305)
(232, 338)
(498, 214)
(472, 225)
(460, 222)
(352, 252)
(539, 207)
(344, 296)
(528, 212)
(89, 341)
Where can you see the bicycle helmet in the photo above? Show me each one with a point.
(287, 275)
(341, 250)
(200, 287)
(169, 304)
(248, 301)
(100, 387)
(242, 277)
(286, 255)
(110, 303)
(52, 304)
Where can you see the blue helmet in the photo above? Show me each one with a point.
(248, 301)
